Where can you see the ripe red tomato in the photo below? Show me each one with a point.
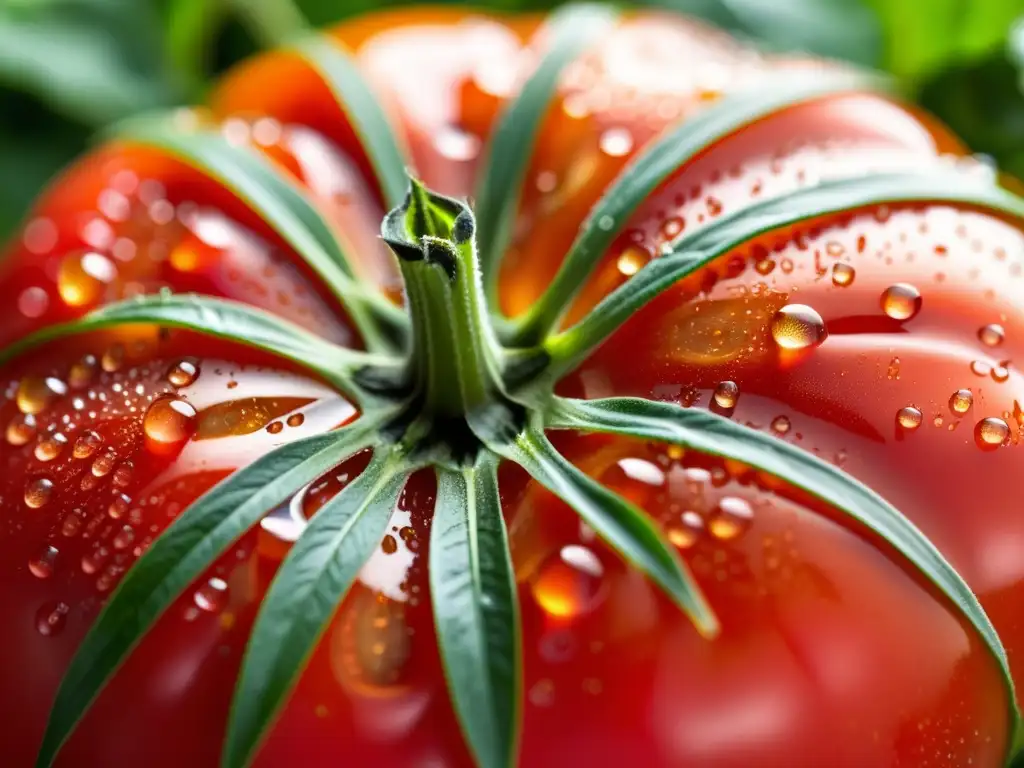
(833, 652)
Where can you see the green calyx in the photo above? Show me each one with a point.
(449, 385)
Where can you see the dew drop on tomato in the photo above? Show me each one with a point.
(726, 394)
(119, 506)
(960, 402)
(901, 301)
(82, 372)
(1001, 372)
(82, 278)
(990, 433)
(112, 358)
(168, 423)
(123, 474)
(51, 618)
(797, 327)
(842, 275)
(687, 531)
(781, 425)
(51, 447)
(103, 463)
(183, 373)
(909, 417)
(35, 395)
(570, 582)
(731, 518)
(211, 596)
(124, 538)
(991, 335)
(632, 260)
(42, 564)
(20, 429)
(38, 492)
(86, 445)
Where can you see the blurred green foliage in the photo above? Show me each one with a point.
(69, 67)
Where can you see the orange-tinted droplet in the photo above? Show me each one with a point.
(169, 422)
(275, 427)
(119, 506)
(570, 583)
(35, 394)
(726, 394)
(113, 358)
(295, 420)
(21, 429)
(183, 373)
(123, 474)
(797, 326)
(86, 445)
(901, 301)
(51, 447)
(990, 433)
(909, 417)
(82, 372)
(43, 563)
(843, 275)
(991, 335)
(38, 492)
(632, 260)
(781, 425)
(103, 463)
(389, 545)
(731, 518)
(687, 531)
(82, 278)
(960, 402)
(51, 618)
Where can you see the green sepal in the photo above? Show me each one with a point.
(625, 528)
(221, 319)
(571, 29)
(304, 596)
(650, 168)
(180, 555)
(692, 252)
(476, 610)
(285, 207)
(715, 435)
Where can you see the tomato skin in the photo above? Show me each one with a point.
(832, 652)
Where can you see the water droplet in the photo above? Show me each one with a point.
(275, 427)
(183, 373)
(70, 525)
(1001, 372)
(632, 260)
(909, 417)
(33, 302)
(606, 223)
(38, 491)
(834, 248)
(672, 227)
(991, 335)
(104, 463)
(124, 538)
(86, 445)
(94, 560)
(389, 545)
(82, 278)
(726, 394)
(34, 394)
(960, 402)
(21, 429)
(731, 518)
(616, 142)
(901, 301)
(51, 618)
(781, 425)
(212, 596)
(169, 422)
(685, 533)
(570, 583)
(123, 474)
(113, 358)
(980, 368)
(295, 420)
(797, 326)
(990, 433)
(119, 506)
(42, 565)
(82, 372)
(51, 447)
(843, 274)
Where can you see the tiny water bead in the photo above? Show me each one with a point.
(901, 301)
(21, 429)
(726, 394)
(991, 335)
(119, 506)
(842, 275)
(86, 445)
(42, 564)
(113, 358)
(632, 260)
(1001, 372)
(123, 474)
(82, 372)
(82, 278)
(731, 518)
(909, 417)
(570, 583)
(275, 427)
(797, 326)
(183, 373)
(616, 142)
(960, 402)
(781, 425)
(51, 618)
(103, 463)
(169, 422)
(212, 596)
(38, 492)
(687, 532)
(991, 432)
(295, 420)
(51, 447)
(35, 394)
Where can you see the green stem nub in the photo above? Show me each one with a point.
(453, 361)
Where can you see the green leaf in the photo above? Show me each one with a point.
(221, 319)
(179, 556)
(93, 61)
(364, 112)
(285, 207)
(508, 151)
(690, 253)
(644, 173)
(716, 435)
(924, 38)
(304, 596)
(476, 611)
(627, 529)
